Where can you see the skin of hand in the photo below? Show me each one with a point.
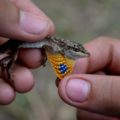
(94, 86)
(22, 20)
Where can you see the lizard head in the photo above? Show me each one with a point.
(75, 50)
(70, 49)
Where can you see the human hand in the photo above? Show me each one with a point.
(94, 87)
(22, 20)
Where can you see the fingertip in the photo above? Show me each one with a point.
(23, 79)
(7, 94)
(74, 90)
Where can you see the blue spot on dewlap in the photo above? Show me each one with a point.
(63, 68)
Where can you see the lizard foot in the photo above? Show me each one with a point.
(6, 65)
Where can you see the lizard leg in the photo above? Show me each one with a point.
(44, 57)
(7, 64)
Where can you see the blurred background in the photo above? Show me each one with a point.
(79, 20)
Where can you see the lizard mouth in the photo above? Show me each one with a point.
(81, 54)
(86, 54)
(76, 55)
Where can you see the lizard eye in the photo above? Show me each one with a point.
(75, 49)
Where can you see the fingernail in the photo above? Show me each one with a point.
(78, 90)
(32, 24)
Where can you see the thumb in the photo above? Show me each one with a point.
(95, 93)
(21, 19)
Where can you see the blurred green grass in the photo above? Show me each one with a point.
(80, 20)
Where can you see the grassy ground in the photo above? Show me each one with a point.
(80, 20)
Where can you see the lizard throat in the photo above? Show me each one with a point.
(61, 65)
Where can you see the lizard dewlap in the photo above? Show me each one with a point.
(62, 65)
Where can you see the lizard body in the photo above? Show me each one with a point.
(60, 52)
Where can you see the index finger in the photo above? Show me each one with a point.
(105, 55)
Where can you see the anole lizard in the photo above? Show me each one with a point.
(61, 53)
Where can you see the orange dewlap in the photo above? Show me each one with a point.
(62, 65)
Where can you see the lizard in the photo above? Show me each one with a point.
(60, 52)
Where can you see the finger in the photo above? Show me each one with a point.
(85, 115)
(3, 39)
(25, 22)
(97, 73)
(96, 93)
(31, 58)
(105, 54)
(7, 94)
(23, 79)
